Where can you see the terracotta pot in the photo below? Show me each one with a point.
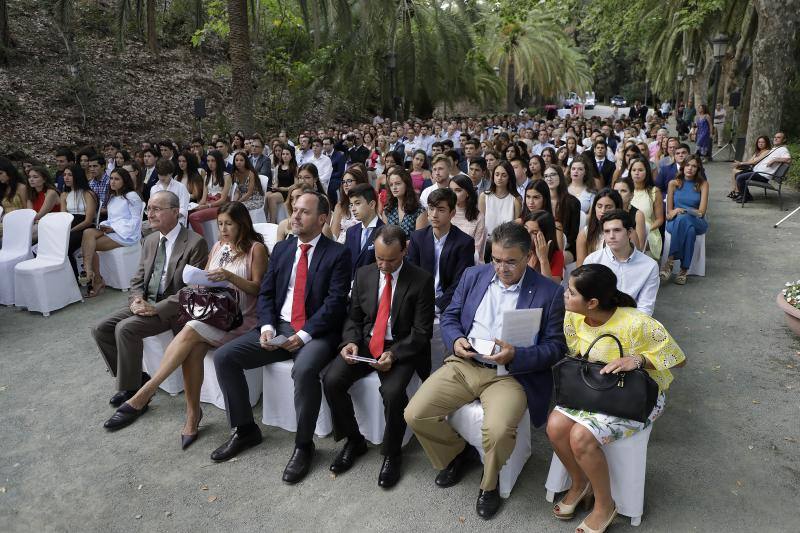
(792, 314)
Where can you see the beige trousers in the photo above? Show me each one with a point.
(457, 383)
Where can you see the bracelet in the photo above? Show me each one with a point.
(639, 362)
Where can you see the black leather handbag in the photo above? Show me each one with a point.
(579, 384)
(218, 307)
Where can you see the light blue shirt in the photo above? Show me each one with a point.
(521, 188)
(637, 276)
(366, 232)
(438, 246)
(488, 321)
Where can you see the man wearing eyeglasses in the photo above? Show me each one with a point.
(152, 304)
(484, 293)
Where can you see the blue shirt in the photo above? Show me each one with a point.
(438, 246)
(488, 321)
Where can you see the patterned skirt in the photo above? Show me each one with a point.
(606, 428)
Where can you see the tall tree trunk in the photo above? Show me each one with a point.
(152, 41)
(773, 60)
(5, 35)
(511, 84)
(241, 69)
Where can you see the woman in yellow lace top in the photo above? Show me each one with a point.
(594, 306)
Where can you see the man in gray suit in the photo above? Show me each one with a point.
(153, 301)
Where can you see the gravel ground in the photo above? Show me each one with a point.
(723, 457)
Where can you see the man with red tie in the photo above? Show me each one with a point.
(301, 299)
(390, 323)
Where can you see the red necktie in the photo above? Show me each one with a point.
(382, 320)
(299, 295)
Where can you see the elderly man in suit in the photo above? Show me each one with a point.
(390, 319)
(153, 301)
(482, 297)
(303, 295)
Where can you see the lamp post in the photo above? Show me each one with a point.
(679, 93)
(497, 71)
(690, 70)
(718, 46)
(391, 63)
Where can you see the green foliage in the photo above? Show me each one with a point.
(216, 24)
(793, 177)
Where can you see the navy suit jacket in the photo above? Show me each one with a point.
(360, 256)
(338, 164)
(530, 366)
(607, 172)
(458, 254)
(327, 286)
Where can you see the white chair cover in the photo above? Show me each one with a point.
(47, 282)
(583, 220)
(278, 400)
(210, 392)
(270, 233)
(258, 216)
(467, 421)
(211, 232)
(627, 466)
(264, 183)
(698, 267)
(368, 407)
(17, 231)
(119, 265)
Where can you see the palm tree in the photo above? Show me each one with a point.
(241, 68)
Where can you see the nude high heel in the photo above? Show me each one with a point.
(583, 528)
(565, 511)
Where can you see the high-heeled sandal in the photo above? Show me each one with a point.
(566, 511)
(583, 528)
(680, 279)
(187, 440)
(96, 288)
(666, 270)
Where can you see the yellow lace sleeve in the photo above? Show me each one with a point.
(571, 333)
(655, 343)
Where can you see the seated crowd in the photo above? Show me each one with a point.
(417, 245)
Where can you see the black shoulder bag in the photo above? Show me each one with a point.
(579, 384)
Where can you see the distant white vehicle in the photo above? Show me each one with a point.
(589, 100)
(572, 99)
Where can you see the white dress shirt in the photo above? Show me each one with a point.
(438, 246)
(171, 236)
(324, 168)
(381, 287)
(636, 276)
(286, 308)
(180, 190)
(488, 321)
(423, 197)
(371, 226)
(303, 157)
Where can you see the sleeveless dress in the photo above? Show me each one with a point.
(409, 222)
(703, 135)
(417, 181)
(345, 224)
(285, 179)
(256, 201)
(241, 266)
(643, 201)
(684, 229)
(38, 202)
(498, 210)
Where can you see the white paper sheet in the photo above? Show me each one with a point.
(521, 326)
(196, 276)
(361, 359)
(277, 341)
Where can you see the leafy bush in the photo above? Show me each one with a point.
(793, 178)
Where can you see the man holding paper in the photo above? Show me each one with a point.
(388, 330)
(506, 374)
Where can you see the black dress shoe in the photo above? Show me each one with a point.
(124, 416)
(390, 471)
(353, 449)
(125, 395)
(298, 466)
(488, 503)
(455, 470)
(237, 443)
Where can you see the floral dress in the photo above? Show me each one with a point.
(409, 222)
(639, 334)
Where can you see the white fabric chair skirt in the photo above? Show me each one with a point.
(368, 406)
(210, 392)
(17, 232)
(278, 400)
(46, 283)
(119, 265)
(468, 420)
(211, 232)
(698, 267)
(627, 466)
(258, 216)
(270, 233)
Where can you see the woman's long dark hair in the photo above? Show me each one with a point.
(8, 190)
(312, 168)
(512, 178)
(699, 178)
(46, 179)
(766, 140)
(594, 228)
(649, 183)
(598, 281)
(561, 191)
(218, 176)
(410, 200)
(250, 172)
(541, 187)
(359, 173)
(547, 225)
(247, 234)
(79, 181)
(471, 209)
(192, 173)
(127, 183)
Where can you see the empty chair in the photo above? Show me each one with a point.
(47, 283)
(119, 265)
(468, 420)
(17, 231)
(278, 401)
(270, 233)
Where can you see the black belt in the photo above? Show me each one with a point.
(485, 365)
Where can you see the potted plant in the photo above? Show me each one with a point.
(789, 302)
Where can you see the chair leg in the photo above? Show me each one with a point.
(744, 193)
(780, 197)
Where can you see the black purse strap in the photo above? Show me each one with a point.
(585, 365)
(610, 335)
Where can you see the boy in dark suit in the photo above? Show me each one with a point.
(359, 238)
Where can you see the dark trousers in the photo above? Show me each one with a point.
(75, 239)
(742, 177)
(245, 352)
(341, 376)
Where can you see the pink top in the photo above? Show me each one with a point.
(417, 180)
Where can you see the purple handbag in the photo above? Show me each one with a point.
(215, 306)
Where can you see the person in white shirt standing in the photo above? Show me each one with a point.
(719, 124)
(322, 162)
(166, 182)
(637, 273)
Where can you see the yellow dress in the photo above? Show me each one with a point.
(643, 201)
(639, 334)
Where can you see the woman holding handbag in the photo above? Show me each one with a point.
(239, 258)
(595, 307)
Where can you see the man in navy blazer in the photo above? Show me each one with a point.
(312, 331)
(507, 379)
(360, 239)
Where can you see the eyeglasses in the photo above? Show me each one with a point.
(349, 182)
(513, 263)
(155, 209)
(552, 175)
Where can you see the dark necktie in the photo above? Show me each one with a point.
(299, 295)
(381, 320)
(158, 271)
